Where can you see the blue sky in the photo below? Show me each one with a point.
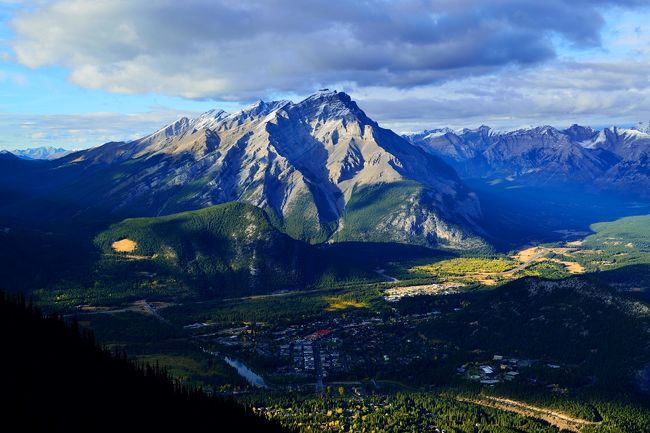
(76, 74)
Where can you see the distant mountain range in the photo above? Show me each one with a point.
(43, 152)
(611, 159)
(322, 171)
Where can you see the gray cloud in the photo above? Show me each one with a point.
(246, 49)
(597, 93)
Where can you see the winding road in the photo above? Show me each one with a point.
(387, 277)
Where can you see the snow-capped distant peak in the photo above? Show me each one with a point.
(541, 130)
(598, 141)
(643, 127)
(43, 152)
(632, 132)
(483, 131)
(438, 132)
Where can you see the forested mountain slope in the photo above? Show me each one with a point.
(56, 379)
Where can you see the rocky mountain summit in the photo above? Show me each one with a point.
(321, 168)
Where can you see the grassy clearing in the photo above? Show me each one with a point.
(539, 261)
(463, 266)
(124, 246)
(467, 270)
(337, 303)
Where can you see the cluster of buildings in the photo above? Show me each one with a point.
(394, 294)
(497, 370)
(505, 369)
(320, 348)
(331, 349)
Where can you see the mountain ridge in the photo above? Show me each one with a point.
(42, 152)
(302, 162)
(611, 159)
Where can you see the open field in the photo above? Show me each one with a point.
(555, 262)
(342, 304)
(124, 246)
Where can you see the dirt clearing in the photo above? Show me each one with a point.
(124, 246)
(558, 419)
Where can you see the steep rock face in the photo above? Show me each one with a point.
(609, 159)
(302, 162)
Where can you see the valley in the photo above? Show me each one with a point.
(369, 287)
(525, 326)
(325, 216)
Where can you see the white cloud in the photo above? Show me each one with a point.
(76, 131)
(412, 64)
(596, 92)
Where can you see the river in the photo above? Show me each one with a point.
(251, 377)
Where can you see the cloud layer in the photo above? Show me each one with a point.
(78, 131)
(247, 49)
(597, 92)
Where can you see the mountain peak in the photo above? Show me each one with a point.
(576, 127)
(260, 108)
(327, 95)
(209, 119)
(331, 104)
(215, 113)
(581, 134)
(543, 129)
(175, 128)
(481, 130)
(643, 127)
(309, 164)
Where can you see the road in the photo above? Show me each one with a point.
(92, 313)
(279, 294)
(560, 420)
(142, 306)
(149, 309)
(387, 277)
(524, 265)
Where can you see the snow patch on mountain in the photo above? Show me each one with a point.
(643, 127)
